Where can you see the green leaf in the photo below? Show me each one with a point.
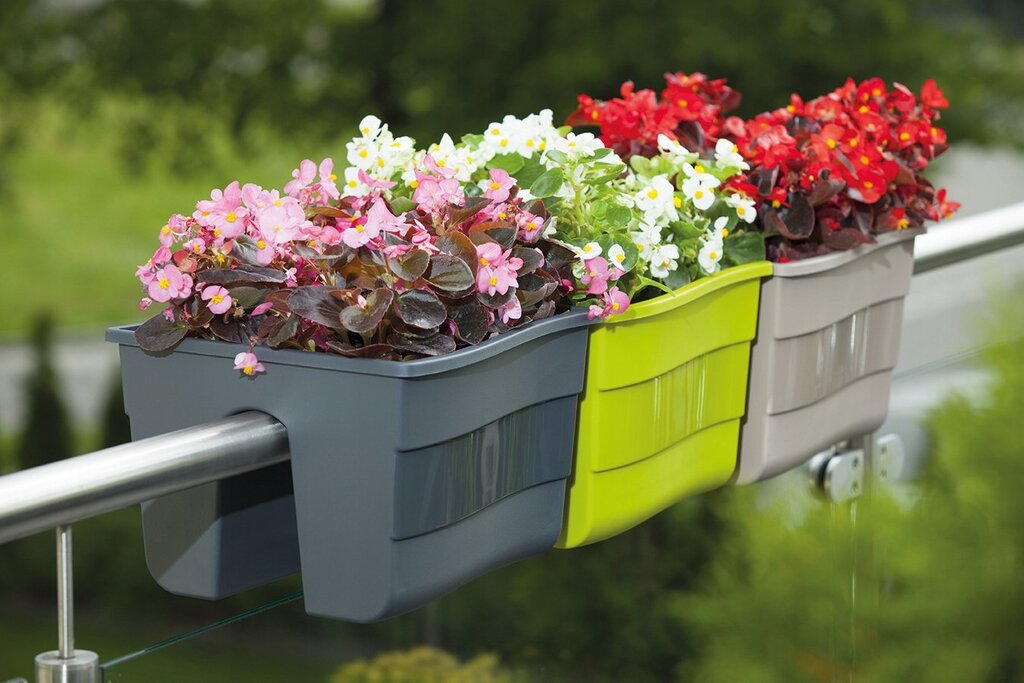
(600, 153)
(363, 320)
(457, 244)
(642, 166)
(677, 278)
(556, 156)
(547, 184)
(613, 173)
(529, 173)
(159, 334)
(247, 297)
(420, 308)
(473, 206)
(686, 230)
(450, 273)
(508, 162)
(618, 216)
(745, 247)
(400, 205)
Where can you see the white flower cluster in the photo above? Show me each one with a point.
(525, 137)
(377, 153)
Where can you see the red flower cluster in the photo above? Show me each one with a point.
(690, 109)
(833, 172)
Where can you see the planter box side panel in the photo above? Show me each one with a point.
(426, 567)
(604, 504)
(680, 419)
(811, 387)
(445, 483)
(348, 481)
(218, 539)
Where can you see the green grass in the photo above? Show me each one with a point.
(76, 221)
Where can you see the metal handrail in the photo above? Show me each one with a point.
(77, 488)
(964, 238)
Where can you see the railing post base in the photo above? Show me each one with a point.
(83, 667)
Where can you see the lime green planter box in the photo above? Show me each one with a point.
(666, 387)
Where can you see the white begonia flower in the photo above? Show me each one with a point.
(664, 260)
(744, 207)
(720, 232)
(617, 256)
(502, 138)
(582, 145)
(728, 154)
(551, 228)
(369, 126)
(657, 201)
(710, 255)
(587, 251)
(353, 187)
(673, 151)
(362, 153)
(699, 192)
(646, 240)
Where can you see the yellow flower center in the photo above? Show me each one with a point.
(741, 210)
(903, 223)
(262, 244)
(864, 109)
(666, 263)
(831, 143)
(790, 108)
(440, 163)
(414, 184)
(876, 92)
(616, 306)
(639, 246)
(530, 143)
(713, 255)
(164, 283)
(195, 247)
(698, 194)
(363, 153)
(216, 232)
(204, 213)
(504, 142)
(231, 217)
(652, 193)
(864, 159)
(495, 131)
(380, 163)
(868, 184)
(360, 228)
(776, 203)
(351, 183)
(365, 130)
(677, 202)
(531, 226)
(735, 149)
(502, 215)
(593, 115)
(725, 232)
(216, 298)
(483, 262)
(620, 257)
(698, 168)
(248, 369)
(165, 230)
(495, 186)
(333, 176)
(853, 142)
(542, 145)
(588, 248)
(493, 281)
(904, 136)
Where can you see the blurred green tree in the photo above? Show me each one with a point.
(46, 436)
(116, 429)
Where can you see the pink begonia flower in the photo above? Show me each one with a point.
(144, 303)
(378, 219)
(497, 189)
(248, 363)
(196, 246)
(530, 226)
(169, 283)
(166, 237)
(512, 310)
(496, 271)
(223, 212)
(256, 198)
(301, 178)
(278, 224)
(434, 195)
(596, 275)
(178, 224)
(615, 302)
(436, 168)
(289, 277)
(145, 273)
(168, 313)
(161, 256)
(327, 178)
(374, 183)
(218, 299)
(262, 308)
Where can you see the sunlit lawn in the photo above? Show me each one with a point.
(76, 221)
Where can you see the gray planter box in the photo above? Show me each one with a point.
(828, 337)
(409, 479)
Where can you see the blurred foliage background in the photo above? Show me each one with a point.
(116, 113)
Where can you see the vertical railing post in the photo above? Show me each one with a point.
(66, 664)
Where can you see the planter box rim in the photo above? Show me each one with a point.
(422, 367)
(693, 291)
(818, 264)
